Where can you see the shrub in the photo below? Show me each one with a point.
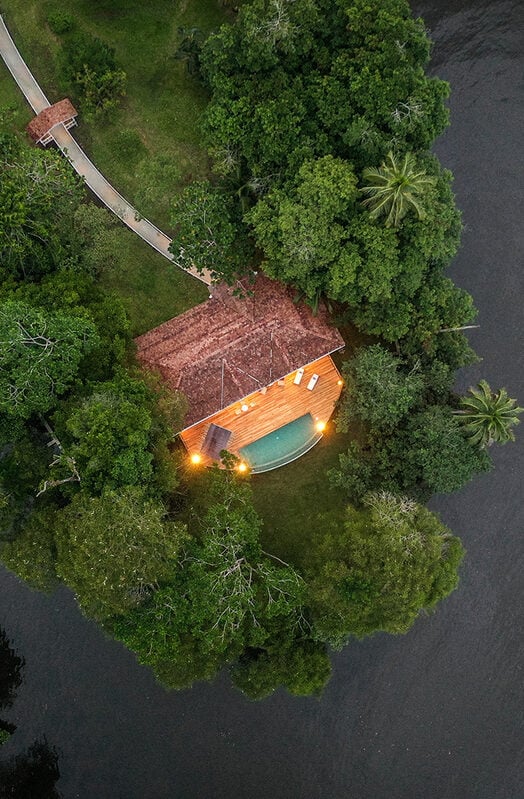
(60, 21)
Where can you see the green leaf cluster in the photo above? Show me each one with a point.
(206, 236)
(39, 194)
(115, 549)
(227, 597)
(409, 442)
(39, 357)
(389, 562)
(488, 416)
(301, 80)
(90, 67)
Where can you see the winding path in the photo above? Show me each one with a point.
(79, 160)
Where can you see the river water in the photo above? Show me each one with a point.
(436, 714)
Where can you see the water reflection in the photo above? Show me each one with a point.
(31, 774)
(11, 665)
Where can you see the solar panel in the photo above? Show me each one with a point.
(217, 439)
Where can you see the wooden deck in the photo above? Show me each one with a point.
(281, 403)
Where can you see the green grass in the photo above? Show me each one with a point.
(152, 289)
(297, 503)
(14, 111)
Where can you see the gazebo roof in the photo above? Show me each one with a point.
(229, 347)
(49, 117)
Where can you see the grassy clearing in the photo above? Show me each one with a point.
(14, 111)
(297, 503)
(152, 289)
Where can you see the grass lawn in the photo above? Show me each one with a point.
(297, 503)
(152, 289)
(15, 113)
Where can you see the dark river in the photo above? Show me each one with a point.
(436, 714)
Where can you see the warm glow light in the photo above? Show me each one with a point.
(196, 458)
(340, 382)
(242, 467)
(321, 426)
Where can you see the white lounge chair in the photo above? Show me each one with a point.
(298, 377)
(312, 383)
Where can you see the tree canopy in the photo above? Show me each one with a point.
(40, 354)
(110, 436)
(205, 233)
(39, 194)
(379, 389)
(113, 550)
(389, 562)
(227, 595)
(296, 81)
(395, 188)
(488, 416)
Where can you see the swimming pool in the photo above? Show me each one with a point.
(281, 446)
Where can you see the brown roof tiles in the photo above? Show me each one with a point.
(228, 347)
(49, 117)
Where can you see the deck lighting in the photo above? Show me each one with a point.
(242, 467)
(340, 382)
(320, 426)
(196, 458)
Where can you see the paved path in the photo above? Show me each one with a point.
(79, 160)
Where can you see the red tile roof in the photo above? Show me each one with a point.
(49, 117)
(227, 347)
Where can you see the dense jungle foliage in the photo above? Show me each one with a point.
(319, 126)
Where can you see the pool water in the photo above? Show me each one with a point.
(281, 446)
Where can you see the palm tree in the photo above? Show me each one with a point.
(394, 188)
(488, 416)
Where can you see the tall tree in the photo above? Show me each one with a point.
(314, 235)
(226, 595)
(379, 389)
(40, 354)
(114, 550)
(297, 663)
(389, 562)
(110, 434)
(206, 238)
(90, 66)
(32, 554)
(394, 188)
(39, 194)
(433, 450)
(295, 81)
(488, 416)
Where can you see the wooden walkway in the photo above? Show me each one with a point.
(79, 160)
(276, 407)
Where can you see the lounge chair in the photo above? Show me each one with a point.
(312, 383)
(298, 377)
